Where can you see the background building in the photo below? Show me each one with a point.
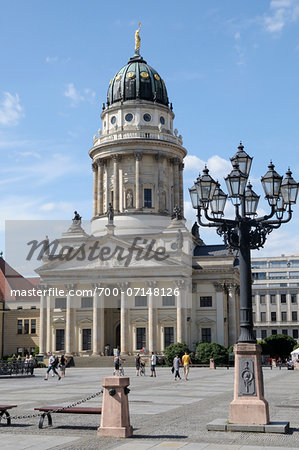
(276, 296)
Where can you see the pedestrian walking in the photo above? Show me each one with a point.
(176, 365)
(137, 364)
(187, 362)
(153, 364)
(62, 365)
(116, 365)
(53, 363)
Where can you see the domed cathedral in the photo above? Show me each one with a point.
(137, 156)
(171, 288)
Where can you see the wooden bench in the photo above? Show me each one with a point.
(47, 410)
(3, 411)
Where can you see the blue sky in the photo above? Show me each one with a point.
(231, 71)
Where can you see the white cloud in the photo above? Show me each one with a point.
(10, 109)
(76, 97)
(281, 13)
(218, 167)
(51, 59)
(34, 154)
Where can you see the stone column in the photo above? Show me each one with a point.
(124, 326)
(176, 193)
(42, 321)
(98, 321)
(180, 327)
(100, 208)
(268, 308)
(289, 314)
(138, 199)
(151, 345)
(257, 308)
(69, 327)
(106, 186)
(181, 187)
(219, 288)
(278, 313)
(115, 183)
(48, 347)
(95, 189)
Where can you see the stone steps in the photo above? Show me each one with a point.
(101, 361)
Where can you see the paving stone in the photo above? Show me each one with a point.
(217, 425)
(277, 427)
(245, 427)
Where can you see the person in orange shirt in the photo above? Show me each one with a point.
(187, 362)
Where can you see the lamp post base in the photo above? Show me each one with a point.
(249, 405)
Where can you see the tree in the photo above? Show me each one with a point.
(174, 349)
(278, 345)
(205, 351)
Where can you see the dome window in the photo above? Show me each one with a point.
(147, 117)
(113, 120)
(162, 120)
(144, 74)
(157, 77)
(118, 77)
(130, 75)
(129, 117)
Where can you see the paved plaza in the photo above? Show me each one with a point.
(164, 413)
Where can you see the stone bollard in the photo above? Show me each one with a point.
(115, 420)
(212, 364)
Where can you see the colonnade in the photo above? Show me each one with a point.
(100, 171)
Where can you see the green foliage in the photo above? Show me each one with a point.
(174, 349)
(278, 345)
(296, 346)
(206, 350)
(36, 350)
(231, 349)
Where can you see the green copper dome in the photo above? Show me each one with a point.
(137, 80)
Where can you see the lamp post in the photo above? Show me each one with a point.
(244, 233)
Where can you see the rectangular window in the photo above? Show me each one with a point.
(168, 300)
(206, 335)
(285, 332)
(273, 316)
(259, 276)
(294, 316)
(59, 340)
(60, 303)
(19, 307)
(205, 302)
(277, 275)
(262, 299)
(33, 307)
(112, 197)
(295, 334)
(294, 298)
(278, 263)
(273, 299)
(33, 326)
(254, 333)
(294, 263)
(283, 316)
(147, 198)
(294, 275)
(86, 344)
(168, 336)
(140, 338)
(26, 326)
(274, 332)
(259, 264)
(140, 300)
(283, 298)
(86, 302)
(253, 317)
(263, 334)
(20, 326)
(263, 317)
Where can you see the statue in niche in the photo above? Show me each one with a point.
(110, 214)
(129, 199)
(179, 240)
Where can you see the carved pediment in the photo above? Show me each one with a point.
(58, 320)
(206, 321)
(85, 321)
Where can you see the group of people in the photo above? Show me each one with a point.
(178, 362)
(56, 363)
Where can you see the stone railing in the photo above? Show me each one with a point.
(121, 134)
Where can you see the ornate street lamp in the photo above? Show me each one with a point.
(243, 233)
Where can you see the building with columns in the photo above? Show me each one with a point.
(276, 296)
(139, 278)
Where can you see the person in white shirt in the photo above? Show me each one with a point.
(153, 364)
(53, 363)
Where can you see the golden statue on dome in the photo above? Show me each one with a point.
(137, 40)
